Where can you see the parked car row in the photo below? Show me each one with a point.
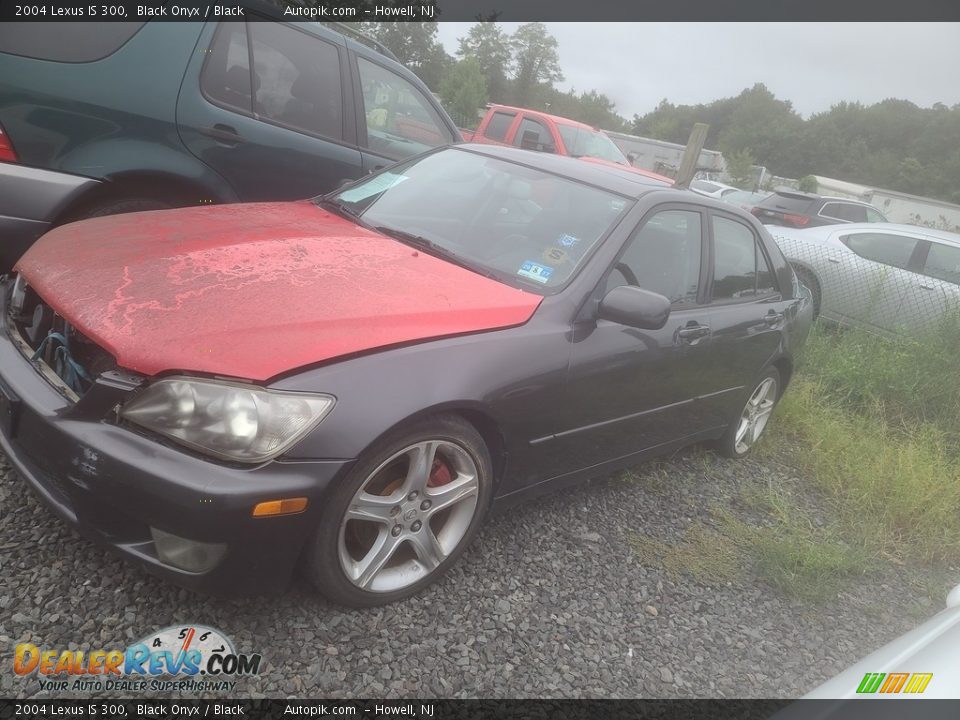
(523, 319)
(142, 116)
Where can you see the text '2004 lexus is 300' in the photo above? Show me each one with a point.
(349, 384)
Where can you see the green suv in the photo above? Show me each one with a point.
(103, 118)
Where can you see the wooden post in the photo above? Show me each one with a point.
(691, 156)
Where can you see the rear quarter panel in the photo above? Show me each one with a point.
(55, 111)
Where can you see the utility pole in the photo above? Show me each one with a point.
(691, 156)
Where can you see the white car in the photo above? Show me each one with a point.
(712, 189)
(922, 664)
(883, 277)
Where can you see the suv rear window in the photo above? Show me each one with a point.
(845, 211)
(788, 203)
(65, 41)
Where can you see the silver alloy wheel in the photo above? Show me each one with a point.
(401, 524)
(755, 415)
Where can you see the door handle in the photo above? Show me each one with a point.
(926, 287)
(772, 317)
(223, 133)
(833, 260)
(692, 332)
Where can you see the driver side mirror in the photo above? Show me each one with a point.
(636, 307)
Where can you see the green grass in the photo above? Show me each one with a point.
(872, 428)
(894, 488)
(907, 381)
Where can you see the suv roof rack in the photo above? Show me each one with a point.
(347, 29)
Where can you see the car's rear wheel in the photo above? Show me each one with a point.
(807, 278)
(404, 514)
(743, 433)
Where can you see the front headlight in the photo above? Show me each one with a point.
(227, 420)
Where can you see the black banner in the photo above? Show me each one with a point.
(500, 10)
(861, 709)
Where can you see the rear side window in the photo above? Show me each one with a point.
(875, 215)
(65, 41)
(296, 79)
(498, 125)
(943, 263)
(895, 250)
(226, 73)
(740, 268)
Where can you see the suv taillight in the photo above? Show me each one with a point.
(7, 153)
(796, 220)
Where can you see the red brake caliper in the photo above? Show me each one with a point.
(439, 474)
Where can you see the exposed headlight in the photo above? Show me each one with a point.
(227, 420)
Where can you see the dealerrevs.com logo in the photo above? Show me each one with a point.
(185, 658)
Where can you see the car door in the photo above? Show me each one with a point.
(934, 290)
(878, 274)
(285, 130)
(747, 313)
(396, 120)
(629, 389)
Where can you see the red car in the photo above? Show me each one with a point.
(535, 130)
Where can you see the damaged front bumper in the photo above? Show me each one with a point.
(152, 502)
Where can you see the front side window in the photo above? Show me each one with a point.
(400, 120)
(533, 135)
(886, 248)
(296, 79)
(943, 263)
(664, 257)
(526, 227)
(740, 268)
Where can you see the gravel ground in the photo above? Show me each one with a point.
(551, 601)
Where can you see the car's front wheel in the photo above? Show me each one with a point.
(745, 430)
(403, 515)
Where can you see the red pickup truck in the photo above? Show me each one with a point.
(534, 130)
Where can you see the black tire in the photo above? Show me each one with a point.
(728, 445)
(118, 207)
(322, 563)
(807, 278)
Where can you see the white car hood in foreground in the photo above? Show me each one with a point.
(934, 647)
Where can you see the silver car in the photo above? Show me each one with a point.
(884, 277)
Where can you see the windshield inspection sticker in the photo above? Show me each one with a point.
(372, 187)
(567, 240)
(535, 271)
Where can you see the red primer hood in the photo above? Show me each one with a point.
(251, 291)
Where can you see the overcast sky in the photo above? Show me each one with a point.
(814, 65)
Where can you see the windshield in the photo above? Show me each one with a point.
(582, 142)
(525, 227)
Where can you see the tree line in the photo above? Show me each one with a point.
(892, 144)
(493, 66)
